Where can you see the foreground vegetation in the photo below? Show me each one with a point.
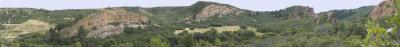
(352, 29)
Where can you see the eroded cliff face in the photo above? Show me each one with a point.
(298, 12)
(217, 10)
(107, 22)
(210, 9)
(386, 8)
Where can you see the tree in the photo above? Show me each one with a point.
(2, 27)
(82, 33)
(380, 37)
(374, 35)
(215, 25)
(157, 42)
(218, 42)
(211, 35)
(16, 44)
(202, 43)
(191, 28)
(53, 36)
(1, 41)
(243, 27)
(185, 39)
(77, 44)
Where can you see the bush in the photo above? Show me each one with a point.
(263, 30)
(243, 27)
(216, 25)
(2, 27)
(191, 28)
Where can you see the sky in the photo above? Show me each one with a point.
(255, 5)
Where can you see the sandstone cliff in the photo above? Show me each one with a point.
(210, 9)
(296, 12)
(386, 8)
(107, 22)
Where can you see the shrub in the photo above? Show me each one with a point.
(191, 28)
(242, 27)
(215, 25)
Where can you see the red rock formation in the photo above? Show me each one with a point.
(217, 10)
(210, 9)
(385, 8)
(102, 19)
(297, 12)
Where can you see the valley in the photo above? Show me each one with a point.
(202, 24)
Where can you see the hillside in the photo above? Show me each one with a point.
(31, 26)
(107, 22)
(202, 24)
(386, 8)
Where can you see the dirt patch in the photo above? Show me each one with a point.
(219, 29)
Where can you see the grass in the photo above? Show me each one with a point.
(219, 29)
(30, 26)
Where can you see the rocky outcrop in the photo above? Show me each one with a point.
(296, 12)
(106, 22)
(210, 9)
(386, 8)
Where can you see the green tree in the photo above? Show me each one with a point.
(2, 27)
(157, 42)
(15, 44)
(375, 36)
(217, 42)
(378, 36)
(211, 35)
(186, 39)
(243, 27)
(202, 43)
(77, 44)
(1, 41)
(82, 33)
(53, 36)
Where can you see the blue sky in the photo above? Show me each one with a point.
(256, 5)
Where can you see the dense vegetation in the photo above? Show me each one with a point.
(352, 29)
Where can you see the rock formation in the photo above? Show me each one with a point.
(297, 12)
(107, 22)
(386, 8)
(210, 9)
